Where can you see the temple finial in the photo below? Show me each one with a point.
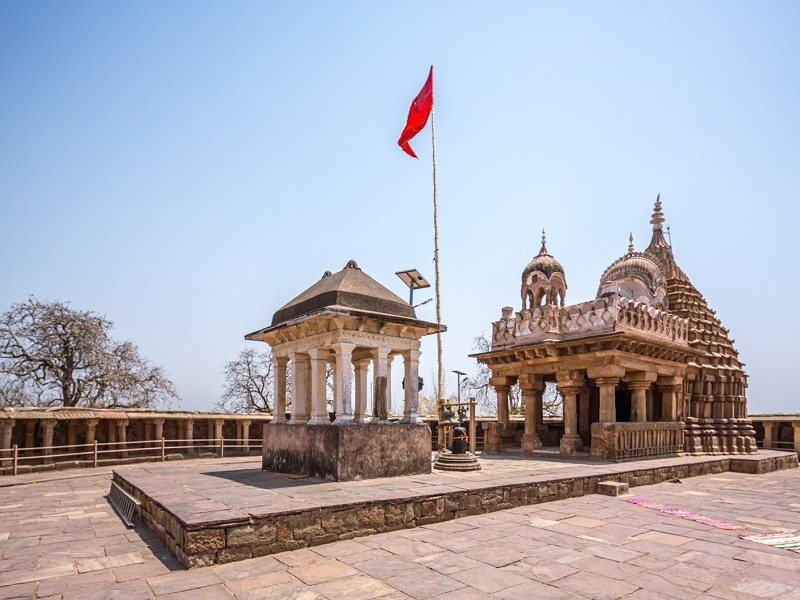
(658, 216)
(630, 244)
(544, 243)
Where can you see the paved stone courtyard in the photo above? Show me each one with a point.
(60, 539)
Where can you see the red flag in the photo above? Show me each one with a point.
(417, 115)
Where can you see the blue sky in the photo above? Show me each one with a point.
(186, 168)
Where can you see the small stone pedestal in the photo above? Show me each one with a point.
(449, 461)
(347, 452)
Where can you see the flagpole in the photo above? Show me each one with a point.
(440, 380)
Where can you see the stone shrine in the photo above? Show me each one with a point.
(645, 369)
(349, 321)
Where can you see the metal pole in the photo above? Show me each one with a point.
(94, 455)
(473, 427)
(163, 450)
(440, 380)
(222, 447)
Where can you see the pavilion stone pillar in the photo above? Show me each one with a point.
(30, 433)
(389, 361)
(318, 362)
(532, 387)
(91, 428)
(343, 382)
(411, 407)
(72, 436)
(158, 425)
(122, 436)
(215, 425)
(769, 428)
(188, 428)
(48, 425)
(638, 383)
(111, 431)
(606, 378)
(302, 401)
(796, 428)
(6, 427)
(380, 391)
(279, 364)
(502, 385)
(569, 384)
(584, 417)
(245, 425)
(670, 388)
(360, 408)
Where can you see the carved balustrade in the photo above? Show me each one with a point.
(603, 315)
(622, 441)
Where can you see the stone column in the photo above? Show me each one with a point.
(584, 416)
(245, 432)
(302, 401)
(638, 383)
(159, 430)
(6, 427)
(71, 435)
(343, 382)
(188, 427)
(380, 393)
(670, 387)
(148, 431)
(769, 428)
(217, 423)
(111, 430)
(122, 436)
(279, 381)
(410, 411)
(319, 406)
(360, 412)
(91, 427)
(606, 377)
(501, 387)
(48, 425)
(569, 384)
(796, 428)
(30, 431)
(389, 361)
(532, 388)
(608, 406)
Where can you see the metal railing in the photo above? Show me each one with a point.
(98, 453)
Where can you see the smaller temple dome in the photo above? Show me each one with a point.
(543, 279)
(636, 276)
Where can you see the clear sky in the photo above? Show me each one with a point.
(185, 168)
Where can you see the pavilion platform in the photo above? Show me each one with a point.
(216, 511)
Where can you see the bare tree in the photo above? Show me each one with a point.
(53, 355)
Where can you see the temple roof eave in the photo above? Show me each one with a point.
(422, 327)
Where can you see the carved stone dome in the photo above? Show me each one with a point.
(636, 276)
(543, 280)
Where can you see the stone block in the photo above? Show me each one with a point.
(195, 561)
(372, 517)
(340, 522)
(227, 555)
(250, 534)
(306, 527)
(347, 453)
(205, 540)
(612, 488)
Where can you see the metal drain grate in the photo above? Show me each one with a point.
(125, 504)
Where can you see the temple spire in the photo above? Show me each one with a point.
(658, 216)
(631, 250)
(544, 244)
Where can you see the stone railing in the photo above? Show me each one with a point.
(604, 315)
(622, 441)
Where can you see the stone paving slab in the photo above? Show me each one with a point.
(558, 550)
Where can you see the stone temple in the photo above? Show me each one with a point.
(644, 369)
